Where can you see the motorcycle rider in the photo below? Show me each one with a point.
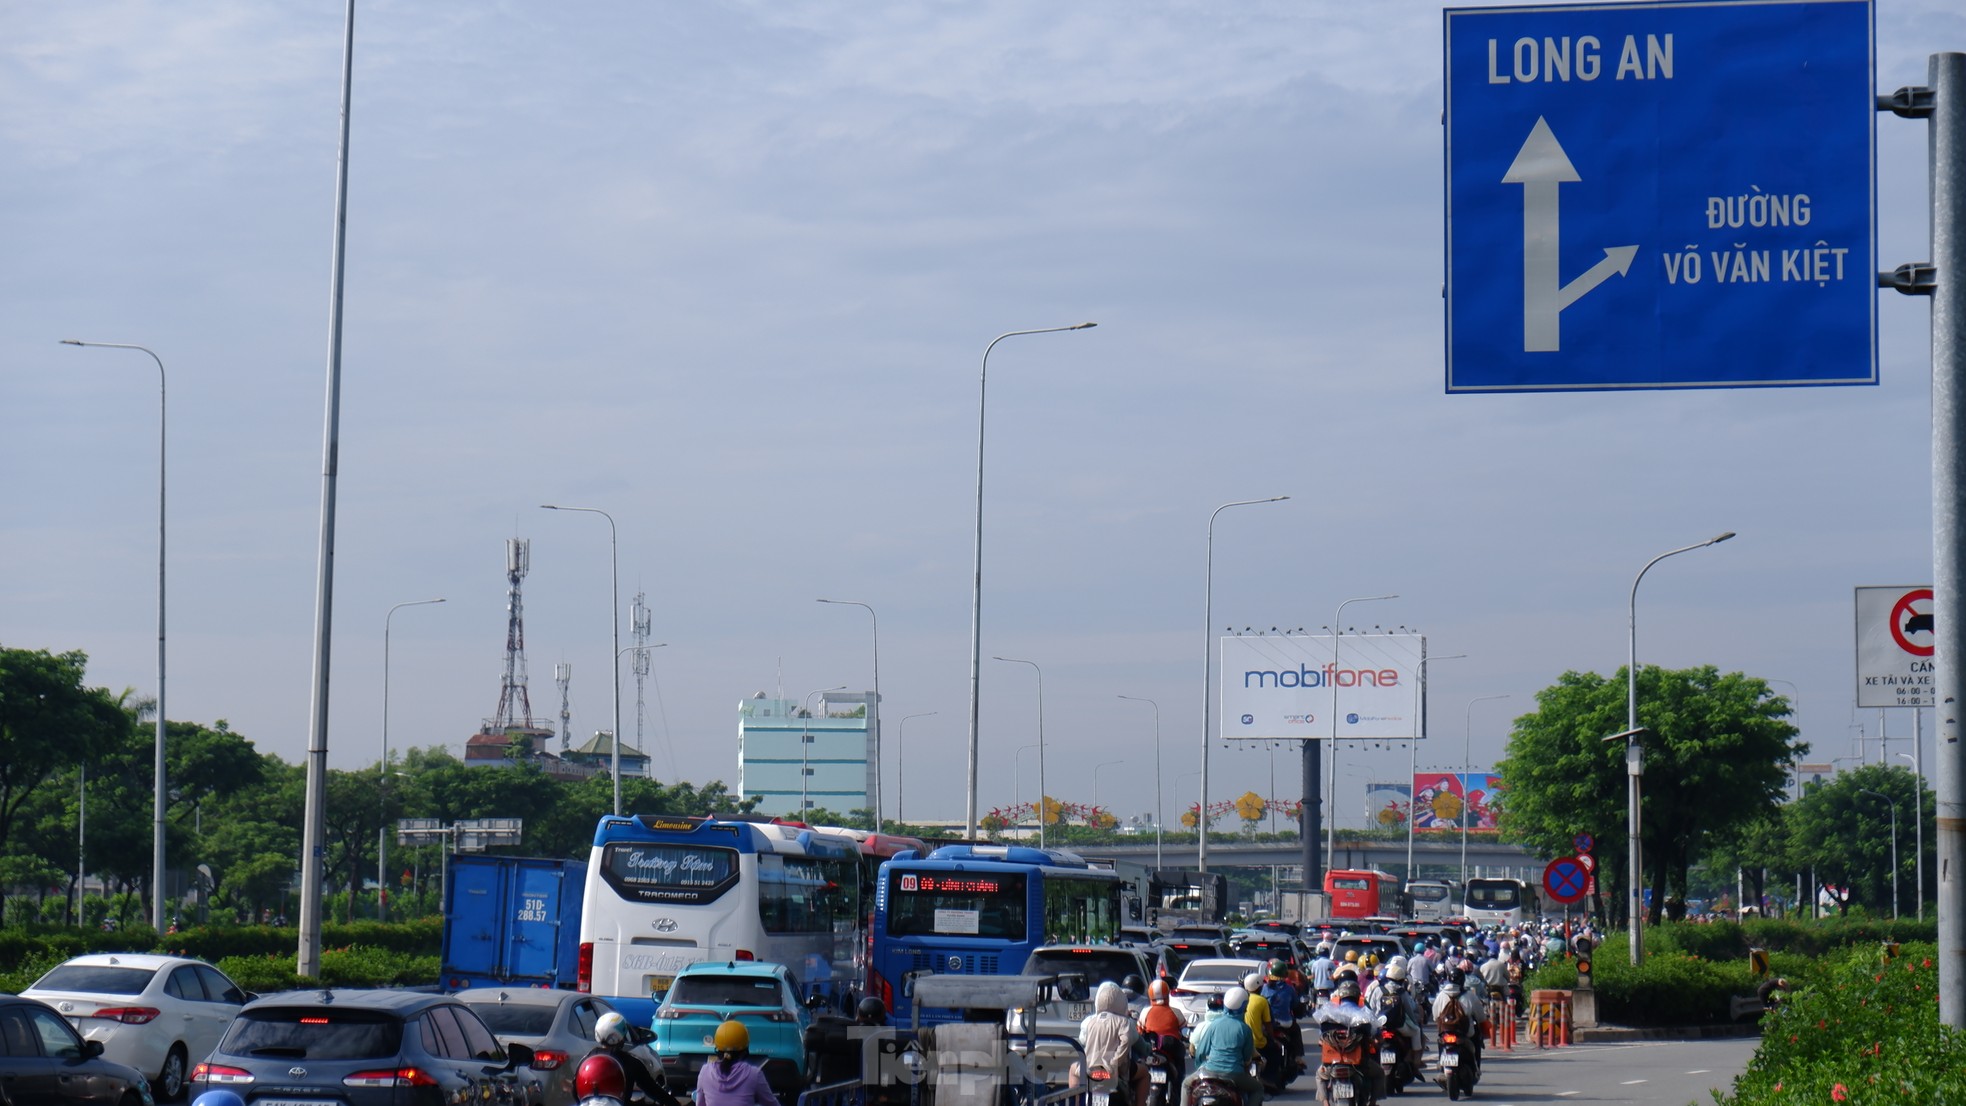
(1345, 1006)
(611, 1036)
(1394, 986)
(731, 1079)
(1286, 1004)
(1321, 971)
(1263, 1030)
(1164, 1023)
(1222, 1049)
(1110, 1039)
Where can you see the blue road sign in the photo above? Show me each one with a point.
(1566, 879)
(1661, 195)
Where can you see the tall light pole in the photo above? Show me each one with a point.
(1095, 777)
(805, 750)
(1337, 630)
(1041, 790)
(1159, 860)
(976, 589)
(614, 611)
(1413, 749)
(1893, 804)
(1917, 818)
(901, 761)
(382, 771)
(1207, 671)
(158, 792)
(874, 712)
(1017, 775)
(1467, 769)
(1635, 756)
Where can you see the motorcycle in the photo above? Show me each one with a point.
(1397, 1056)
(1165, 1065)
(1460, 1067)
(1344, 1076)
(1105, 1088)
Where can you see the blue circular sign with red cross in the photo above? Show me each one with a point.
(1566, 879)
(1583, 843)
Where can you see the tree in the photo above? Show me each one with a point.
(48, 721)
(1717, 750)
(1843, 834)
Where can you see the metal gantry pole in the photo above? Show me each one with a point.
(1948, 175)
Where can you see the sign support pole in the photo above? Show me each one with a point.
(1948, 291)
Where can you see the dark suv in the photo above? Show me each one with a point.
(366, 1048)
(44, 1062)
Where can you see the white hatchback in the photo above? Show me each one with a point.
(157, 1014)
(1208, 979)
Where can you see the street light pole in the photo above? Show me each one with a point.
(873, 712)
(1467, 769)
(1893, 804)
(1095, 777)
(1159, 860)
(1207, 671)
(1635, 756)
(1017, 775)
(1413, 749)
(382, 771)
(1337, 630)
(1041, 791)
(976, 588)
(805, 750)
(158, 794)
(614, 612)
(901, 762)
(1917, 813)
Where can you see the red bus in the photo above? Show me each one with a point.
(1361, 892)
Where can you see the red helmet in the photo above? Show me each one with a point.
(601, 1074)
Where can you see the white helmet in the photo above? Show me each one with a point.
(1235, 1000)
(1253, 982)
(612, 1030)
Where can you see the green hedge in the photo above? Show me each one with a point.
(1868, 1033)
(1673, 988)
(260, 958)
(1726, 940)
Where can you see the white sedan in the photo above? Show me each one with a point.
(157, 1014)
(1207, 979)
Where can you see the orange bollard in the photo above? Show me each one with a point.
(1563, 1023)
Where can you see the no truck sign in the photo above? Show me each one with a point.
(1894, 647)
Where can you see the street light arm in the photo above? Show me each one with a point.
(614, 613)
(1207, 671)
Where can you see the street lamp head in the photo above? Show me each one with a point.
(73, 342)
(1721, 538)
(1082, 326)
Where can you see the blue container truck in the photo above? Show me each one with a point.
(512, 921)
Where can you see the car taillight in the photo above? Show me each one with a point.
(219, 1075)
(583, 972)
(777, 1016)
(744, 954)
(671, 1013)
(393, 1077)
(128, 1015)
(546, 1059)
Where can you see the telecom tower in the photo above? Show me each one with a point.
(563, 675)
(514, 705)
(642, 618)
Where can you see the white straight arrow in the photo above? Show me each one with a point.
(1541, 167)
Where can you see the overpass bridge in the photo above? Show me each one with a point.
(1435, 858)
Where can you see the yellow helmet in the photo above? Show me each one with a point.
(1371, 961)
(732, 1037)
(1351, 956)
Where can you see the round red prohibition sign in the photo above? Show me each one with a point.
(1907, 620)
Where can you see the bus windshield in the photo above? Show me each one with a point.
(956, 904)
(1493, 895)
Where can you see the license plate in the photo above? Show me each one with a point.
(1158, 1077)
(1387, 1056)
(1450, 1059)
(1078, 1009)
(658, 984)
(1341, 1090)
(1102, 1098)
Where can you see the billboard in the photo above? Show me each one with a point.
(1448, 800)
(1287, 686)
(1386, 805)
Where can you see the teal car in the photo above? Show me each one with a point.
(764, 997)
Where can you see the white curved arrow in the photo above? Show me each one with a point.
(1541, 167)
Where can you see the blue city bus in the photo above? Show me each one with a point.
(981, 910)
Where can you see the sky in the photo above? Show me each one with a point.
(727, 271)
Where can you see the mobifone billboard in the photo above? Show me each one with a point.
(1284, 686)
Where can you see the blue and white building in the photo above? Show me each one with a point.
(795, 763)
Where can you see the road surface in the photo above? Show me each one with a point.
(1666, 1073)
